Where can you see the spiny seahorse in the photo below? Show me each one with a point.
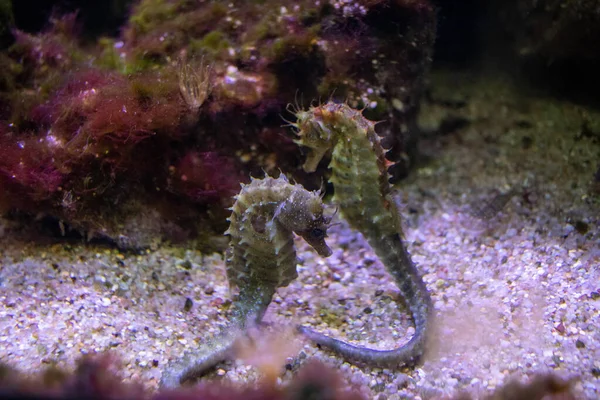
(261, 257)
(362, 192)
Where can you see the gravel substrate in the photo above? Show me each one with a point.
(516, 287)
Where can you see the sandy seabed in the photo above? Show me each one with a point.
(516, 288)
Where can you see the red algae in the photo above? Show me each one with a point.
(100, 117)
(206, 177)
(27, 167)
(98, 376)
(55, 48)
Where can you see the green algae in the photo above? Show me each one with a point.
(149, 13)
(212, 43)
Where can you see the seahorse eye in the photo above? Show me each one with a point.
(317, 233)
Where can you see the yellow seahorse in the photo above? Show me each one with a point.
(362, 192)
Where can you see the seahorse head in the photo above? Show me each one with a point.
(314, 133)
(303, 213)
(315, 233)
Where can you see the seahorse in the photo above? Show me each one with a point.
(363, 195)
(261, 257)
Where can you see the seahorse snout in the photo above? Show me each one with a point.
(316, 239)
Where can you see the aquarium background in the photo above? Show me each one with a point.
(126, 128)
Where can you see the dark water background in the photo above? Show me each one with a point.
(470, 33)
